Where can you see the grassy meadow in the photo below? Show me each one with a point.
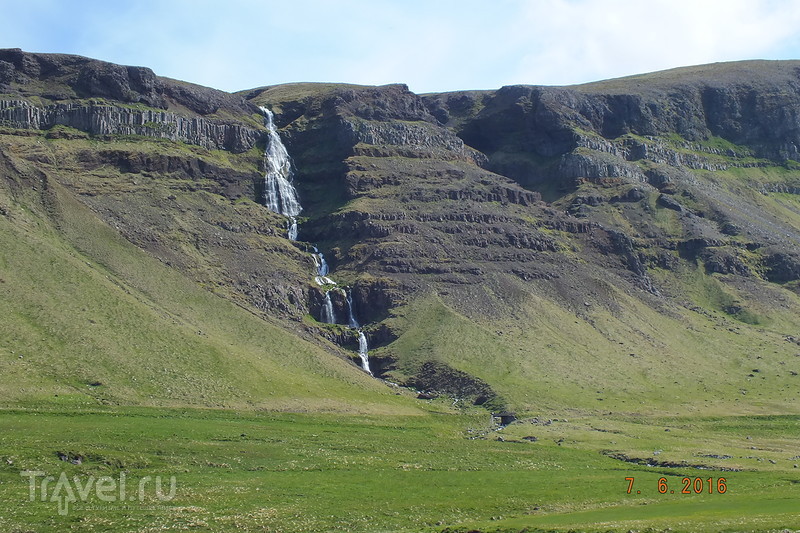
(437, 471)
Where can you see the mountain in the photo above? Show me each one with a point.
(631, 244)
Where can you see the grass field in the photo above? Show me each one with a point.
(250, 471)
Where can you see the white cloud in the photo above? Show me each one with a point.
(577, 41)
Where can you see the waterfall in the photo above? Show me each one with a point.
(279, 193)
(363, 346)
(322, 269)
(281, 197)
(328, 314)
(319, 261)
(363, 351)
(351, 319)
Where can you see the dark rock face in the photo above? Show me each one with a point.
(382, 104)
(108, 120)
(745, 115)
(438, 378)
(623, 245)
(756, 104)
(128, 84)
(723, 261)
(670, 203)
(68, 77)
(782, 266)
(71, 80)
(598, 167)
(372, 299)
(79, 77)
(634, 194)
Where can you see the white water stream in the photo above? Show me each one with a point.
(279, 193)
(281, 197)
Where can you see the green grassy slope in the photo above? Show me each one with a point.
(89, 318)
(630, 358)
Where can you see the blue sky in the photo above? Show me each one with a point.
(433, 45)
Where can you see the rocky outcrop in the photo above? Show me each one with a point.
(107, 120)
(421, 134)
(193, 172)
(69, 77)
(371, 300)
(106, 99)
(783, 188)
(626, 248)
(755, 105)
(439, 378)
(417, 139)
(782, 266)
(665, 200)
(598, 166)
(62, 77)
(384, 103)
(724, 261)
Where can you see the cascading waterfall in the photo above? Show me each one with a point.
(351, 319)
(319, 260)
(279, 193)
(322, 269)
(281, 197)
(291, 229)
(328, 314)
(363, 346)
(363, 351)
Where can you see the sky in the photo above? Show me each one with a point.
(431, 45)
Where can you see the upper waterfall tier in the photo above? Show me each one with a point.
(280, 195)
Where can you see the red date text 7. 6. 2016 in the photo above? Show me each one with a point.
(697, 485)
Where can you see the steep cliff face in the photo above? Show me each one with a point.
(752, 104)
(400, 159)
(71, 91)
(677, 132)
(393, 171)
(98, 119)
(500, 246)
